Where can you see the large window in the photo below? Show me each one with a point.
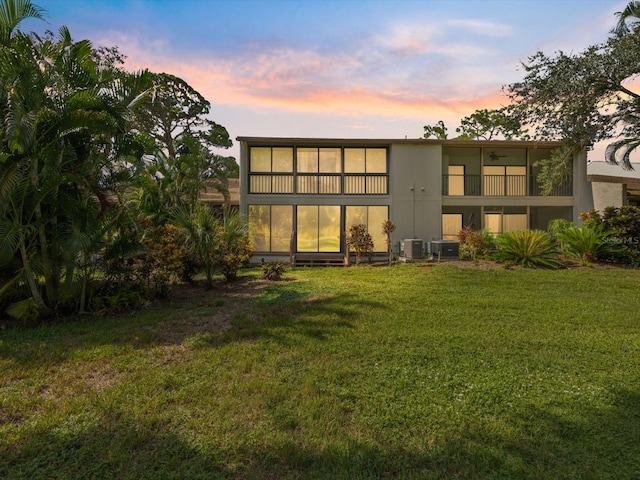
(498, 223)
(372, 217)
(318, 170)
(365, 170)
(455, 180)
(271, 170)
(318, 228)
(270, 227)
(451, 225)
(510, 180)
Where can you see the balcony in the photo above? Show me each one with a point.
(499, 186)
(319, 184)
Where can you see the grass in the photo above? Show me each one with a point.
(421, 372)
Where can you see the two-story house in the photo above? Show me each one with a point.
(301, 195)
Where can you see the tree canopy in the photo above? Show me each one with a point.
(586, 97)
(482, 124)
(79, 135)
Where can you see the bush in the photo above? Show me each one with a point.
(233, 247)
(475, 243)
(558, 226)
(529, 248)
(273, 271)
(623, 227)
(359, 240)
(590, 244)
(167, 260)
(230, 254)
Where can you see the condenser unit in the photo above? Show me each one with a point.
(412, 248)
(445, 248)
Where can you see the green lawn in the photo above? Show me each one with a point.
(356, 373)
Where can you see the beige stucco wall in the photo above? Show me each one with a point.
(608, 195)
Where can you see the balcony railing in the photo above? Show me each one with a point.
(499, 186)
(320, 184)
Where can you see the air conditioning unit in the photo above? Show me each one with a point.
(412, 248)
(445, 248)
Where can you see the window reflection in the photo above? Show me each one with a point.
(330, 160)
(372, 217)
(270, 227)
(376, 159)
(260, 159)
(283, 159)
(318, 228)
(307, 160)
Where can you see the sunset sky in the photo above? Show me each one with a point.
(345, 69)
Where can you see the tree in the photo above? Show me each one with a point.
(62, 118)
(585, 98)
(438, 131)
(184, 161)
(628, 19)
(12, 13)
(220, 243)
(388, 227)
(359, 240)
(202, 229)
(483, 124)
(487, 124)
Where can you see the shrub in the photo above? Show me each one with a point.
(475, 243)
(529, 248)
(388, 228)
(167, 260)
(233, 247)
(273, 271)
(359, 240)
(558, 226)
(590, 244)
(623, 227)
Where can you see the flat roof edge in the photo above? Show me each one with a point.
(389, 141)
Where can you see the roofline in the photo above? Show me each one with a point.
(290, 141)
(603, 178)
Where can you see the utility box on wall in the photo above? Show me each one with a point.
(445, 248)
(413, 248)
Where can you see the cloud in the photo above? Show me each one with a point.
(405, 72)
(489, 29)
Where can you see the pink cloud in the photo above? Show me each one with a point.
(305, 81)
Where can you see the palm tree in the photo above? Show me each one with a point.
(63, 119)
(12, 13)
(203, 234)
(628, 19)
(619, 152)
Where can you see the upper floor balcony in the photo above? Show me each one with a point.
(499, 186)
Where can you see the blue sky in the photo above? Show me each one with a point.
(337, 68)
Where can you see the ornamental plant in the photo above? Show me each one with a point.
(623, 226)
(233, 247)
(359, 240)
(387, 229)
(529, 248)
(475, 243)
(590, 244)
(273, 271)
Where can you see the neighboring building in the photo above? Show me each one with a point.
(301, 195)
(612, 186)
(213, 197)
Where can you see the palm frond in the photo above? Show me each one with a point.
(529, 248)
(619, 152)
(13, 12)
